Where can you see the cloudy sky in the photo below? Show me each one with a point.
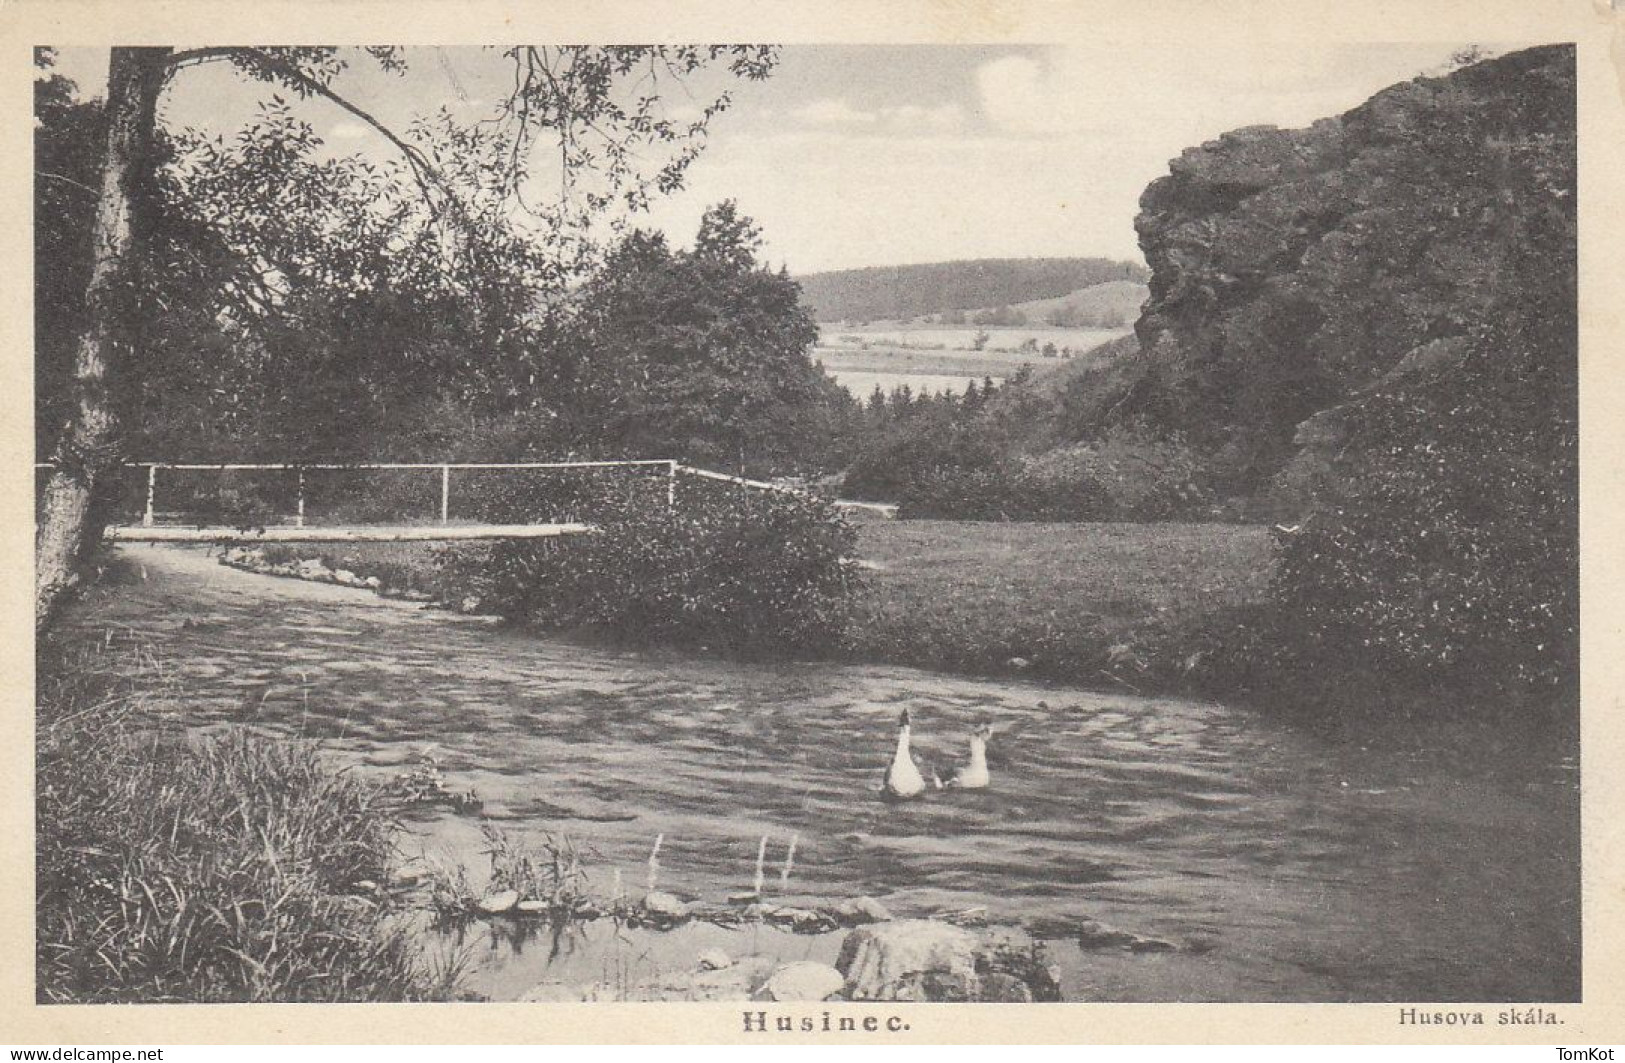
(881, 155)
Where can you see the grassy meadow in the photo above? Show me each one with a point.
(1093, 603)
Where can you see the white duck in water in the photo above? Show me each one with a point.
(903, 777)
(973, 776)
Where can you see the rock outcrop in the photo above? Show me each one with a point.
(1294, 270)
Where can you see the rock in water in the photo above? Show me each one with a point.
(801, 920)
(1093, 934)
(664, 906)
(909, 959)
(1096, 935)
(499, 902)
(802, 982)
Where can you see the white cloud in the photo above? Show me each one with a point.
(1185, 95)
(1016, 94)
(910, 116)
(833, 112)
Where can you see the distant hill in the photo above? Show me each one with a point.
(898, 293)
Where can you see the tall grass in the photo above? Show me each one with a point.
(222, 869)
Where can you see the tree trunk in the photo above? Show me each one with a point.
(71, 518)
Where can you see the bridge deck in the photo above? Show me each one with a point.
(130, 533)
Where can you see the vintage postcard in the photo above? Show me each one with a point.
(668, 523)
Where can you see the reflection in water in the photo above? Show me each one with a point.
(1286, 866)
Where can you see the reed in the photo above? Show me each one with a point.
(761, 858)
(654, 864)
(226, 869)
(789, 862)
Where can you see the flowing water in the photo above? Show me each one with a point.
(1285, 866)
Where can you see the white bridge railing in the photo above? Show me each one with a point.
(672, 470)
(445, 469)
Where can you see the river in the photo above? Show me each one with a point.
(1285, 865)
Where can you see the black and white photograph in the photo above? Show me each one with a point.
(808, 526)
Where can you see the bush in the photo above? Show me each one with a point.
(1124, 477)
(1139, 476)
(1008, 491)
(1449, 551)
(729, 567)
(228, 869)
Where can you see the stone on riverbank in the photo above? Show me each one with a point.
(804, 981)
(801, 920)
(858, 911)
(910, 959)
(714, 959)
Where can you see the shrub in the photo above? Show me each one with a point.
(1126, 476)
(228, 869)
(1449, 550)
(1139, 476)
(1008, 491)
(729, 567)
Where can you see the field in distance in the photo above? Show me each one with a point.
(931, 356)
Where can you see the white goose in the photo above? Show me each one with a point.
(903, 777)
(973, 776)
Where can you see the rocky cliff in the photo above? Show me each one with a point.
(1295, 272)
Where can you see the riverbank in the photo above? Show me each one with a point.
(1115, 606)
(226, 869)
(1146, 609)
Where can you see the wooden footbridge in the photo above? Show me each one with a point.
(155, 526)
